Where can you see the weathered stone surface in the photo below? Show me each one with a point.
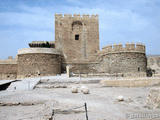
(114, 63)
(131, 82)
(120, 98)
(153, 98)
(74, 89)
(153, 62)
(77, 37)
(42, 64)
(77, 45)
(8, 70)
(123, 62)
(85, 90)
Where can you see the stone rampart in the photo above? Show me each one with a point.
(119, 59)
(117, 48)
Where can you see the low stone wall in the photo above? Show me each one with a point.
(133, 82)
(8, 71)
(116, 75)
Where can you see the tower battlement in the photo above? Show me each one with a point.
(76, 16)
(129, 47)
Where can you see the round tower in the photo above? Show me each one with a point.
(38, 62)
(119, 59)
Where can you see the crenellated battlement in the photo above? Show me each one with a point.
(76, 16)
(129, 47)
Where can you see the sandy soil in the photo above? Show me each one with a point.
(39, 104)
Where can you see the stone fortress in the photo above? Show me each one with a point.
(76, 49)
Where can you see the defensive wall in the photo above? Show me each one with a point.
(116, 59)
(8, 69)
(77, 45)
(119, 59)
(119, 48)
(38, 62)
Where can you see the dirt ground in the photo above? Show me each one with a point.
(59, 103)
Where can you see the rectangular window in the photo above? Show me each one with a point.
(77, 37)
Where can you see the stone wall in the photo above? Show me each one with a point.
(123, 62)
(119, 59)
(153, 62)
(132, 82)
(118, 48)
(38, 64)
(116, 60)
(76, 36)
(81, 67)
(8, 69)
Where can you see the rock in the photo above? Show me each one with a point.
(60, 86)
(84, 89)
(130, 100)
(64, 86)
(153, 98)
(74, 89)
(57, 86)
(120, 98)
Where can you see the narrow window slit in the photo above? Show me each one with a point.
(77, 37)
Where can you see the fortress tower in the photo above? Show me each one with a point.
(76, 47)
(77, 37)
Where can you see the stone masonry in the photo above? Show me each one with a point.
(76, 36)
(8, 69)
(38, 62)
(77, 45)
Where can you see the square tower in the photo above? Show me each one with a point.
(77, 37)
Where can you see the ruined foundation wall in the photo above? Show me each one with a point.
(8, 69)
(38, 62)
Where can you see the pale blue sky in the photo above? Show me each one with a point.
(121, 21)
